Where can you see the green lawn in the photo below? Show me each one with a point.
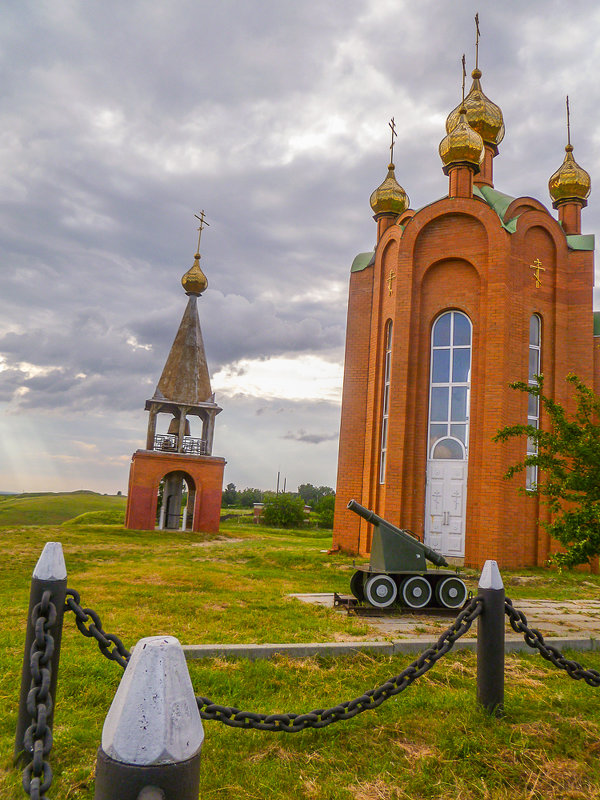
(53, 509)
(430, 742)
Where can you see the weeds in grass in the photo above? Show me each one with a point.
(432, 742)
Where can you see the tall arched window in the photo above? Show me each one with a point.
(385, 403)
(450, 381)
(533, 408)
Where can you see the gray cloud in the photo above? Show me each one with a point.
(122, 120)
(311, 438)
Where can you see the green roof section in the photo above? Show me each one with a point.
(362, 261)
(581, 241)
(596, 323)
(498, 202)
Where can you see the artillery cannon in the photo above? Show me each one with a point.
(397, 570)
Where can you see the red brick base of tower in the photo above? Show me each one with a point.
(149, 467)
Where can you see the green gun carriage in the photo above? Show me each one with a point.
(397, 571)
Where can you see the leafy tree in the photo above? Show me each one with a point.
(284, 510)
(249, 496)
(313, 494)
(308, 493)
(324, 510)
(568, 460)
(230, 495)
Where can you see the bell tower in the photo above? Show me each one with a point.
(176, 482)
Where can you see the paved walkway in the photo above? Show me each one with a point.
(568, 624)
(564, 618)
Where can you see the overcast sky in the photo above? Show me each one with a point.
(120, 121)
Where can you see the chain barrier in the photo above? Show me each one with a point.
(110, 645)
(320, 718)
(37, 775)
(518, 622)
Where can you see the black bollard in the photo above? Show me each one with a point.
(153, 733)
(50, 574)
(490, 640)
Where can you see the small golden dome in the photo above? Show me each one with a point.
(570, 181)
(462, 145)
(194, 281)
(390, 197)
(483, 116)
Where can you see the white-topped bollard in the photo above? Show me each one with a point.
(153, 732)
(49, 575)
(490, 640)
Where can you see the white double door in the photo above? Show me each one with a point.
(445, 503)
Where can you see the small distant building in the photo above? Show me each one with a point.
(176, 482)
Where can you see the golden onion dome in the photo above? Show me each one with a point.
(570, 181)
(195, 281)
(390, 197)
(483, 116)
(462, 145)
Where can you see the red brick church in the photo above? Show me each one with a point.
(460, 298)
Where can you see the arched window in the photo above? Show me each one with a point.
(450, 380)
(385, 403)
(533, 408)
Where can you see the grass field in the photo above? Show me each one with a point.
(430, 742)
(53, 509)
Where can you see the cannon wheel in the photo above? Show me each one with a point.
(357, 585)
(451, 592)
(381, 590)
(416, 592)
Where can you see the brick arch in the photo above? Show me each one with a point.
(185, 475)
(522, 204)
(460, 237)
(457, 274)
(389, 251)
(149, 467)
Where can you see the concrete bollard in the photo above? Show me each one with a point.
(49, 574)
(490, 640)
(153, 733)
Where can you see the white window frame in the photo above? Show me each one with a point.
(450, 383)
(533, 419)
(385, 400)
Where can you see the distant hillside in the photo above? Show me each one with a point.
(53, 509)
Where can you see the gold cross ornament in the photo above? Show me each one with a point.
(390, 278)
(392, 125)
(203, 222)
(537, 267)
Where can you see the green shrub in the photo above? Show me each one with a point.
(324, 511)
(283, 511)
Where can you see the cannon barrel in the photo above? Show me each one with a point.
(375, 519)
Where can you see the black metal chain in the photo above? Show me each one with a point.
(320, 718)
(534, 639)
(37, 740)
(110, 645)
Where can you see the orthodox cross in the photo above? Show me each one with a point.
(537, 267)
(390, 278)
(464, 75)
(477, 35)
(203, 222)
(392, 125)
(568, 122)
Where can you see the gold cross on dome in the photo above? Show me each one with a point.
(390, 278)
(203, 222)
(537, 267)
(392, 125)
